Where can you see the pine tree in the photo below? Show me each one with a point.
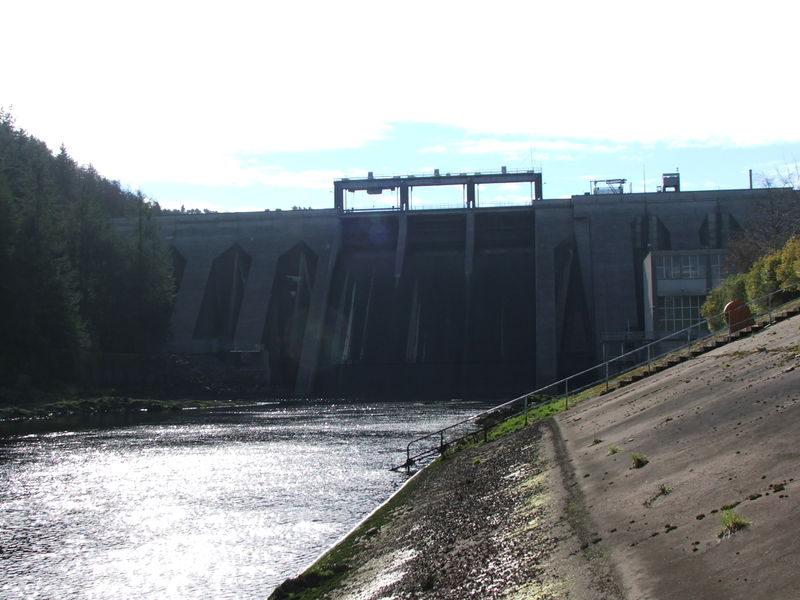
(70, 280)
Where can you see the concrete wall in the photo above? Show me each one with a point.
(449, 303)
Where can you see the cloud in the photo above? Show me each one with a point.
(434, 149)
(178, 91)
(516, 147)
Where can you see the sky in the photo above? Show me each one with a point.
(253, 105)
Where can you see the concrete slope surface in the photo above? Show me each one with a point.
(719, 432)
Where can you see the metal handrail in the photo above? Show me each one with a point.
(420, 206)
(690, 341)
(450, 174)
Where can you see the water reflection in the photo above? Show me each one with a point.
(198, 504)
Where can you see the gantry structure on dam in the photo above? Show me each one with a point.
(405, 184)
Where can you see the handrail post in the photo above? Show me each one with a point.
(566, 393)
(526, 410)
(769, 301)
(728, 321)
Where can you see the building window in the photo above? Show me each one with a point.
(715, 264)
(674, 313)
(686, 266)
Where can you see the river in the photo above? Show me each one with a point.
(222, 503)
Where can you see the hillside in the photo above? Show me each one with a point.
(550, 513)
(71, 283)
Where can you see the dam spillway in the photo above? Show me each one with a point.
(469, 302)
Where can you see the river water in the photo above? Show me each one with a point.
(223, 503)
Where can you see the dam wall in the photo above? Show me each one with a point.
(470, 302)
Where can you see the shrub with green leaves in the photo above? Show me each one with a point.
(777, 270)
(733, 288)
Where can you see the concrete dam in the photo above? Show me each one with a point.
(468, 302)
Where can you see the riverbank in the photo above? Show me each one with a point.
(680, 485)
(500, 517)
(54, 404)
(145, 384)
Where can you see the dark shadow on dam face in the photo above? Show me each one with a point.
(287, 314)
(223, 295)
(178, 266)
(444, 316)
(573, 314)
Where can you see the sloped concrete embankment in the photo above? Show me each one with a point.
(721, 431)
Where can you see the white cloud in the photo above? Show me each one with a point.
(439, 149)
(174, 91)
(514, 150)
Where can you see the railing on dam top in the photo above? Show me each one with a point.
(693, 340)
(437, 173)
(431, 206)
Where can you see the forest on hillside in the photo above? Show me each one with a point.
(70, 282)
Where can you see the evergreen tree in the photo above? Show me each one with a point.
(70, 278)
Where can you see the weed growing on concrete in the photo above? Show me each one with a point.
(596, 441)
(638, 460)
(663, 490)
(731, 522)
(613, 449)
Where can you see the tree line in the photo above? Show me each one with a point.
(71, 281)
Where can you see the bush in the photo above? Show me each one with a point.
(774, 271)
(733, 288)
(762, 278)
(788, 271)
